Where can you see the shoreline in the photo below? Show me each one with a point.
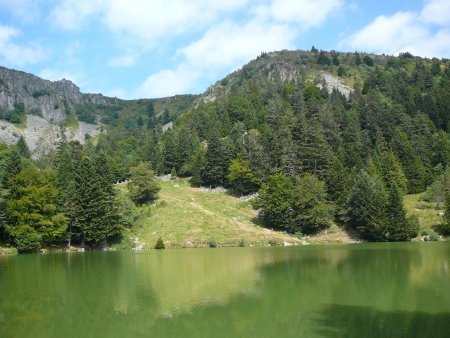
(10, 251)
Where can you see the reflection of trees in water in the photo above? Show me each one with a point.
(358, 321)
(262, 292)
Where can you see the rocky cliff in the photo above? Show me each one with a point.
(43, 106)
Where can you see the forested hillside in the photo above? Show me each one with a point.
(322, 137)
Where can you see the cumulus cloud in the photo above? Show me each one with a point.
(305, 12)
(168, 82)
(229, 43)
(15, 54)
(436, 12)
(229, 33)
(74, 14)
(407, 31)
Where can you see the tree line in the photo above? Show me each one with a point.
(314, 156)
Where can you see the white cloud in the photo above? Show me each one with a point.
(15, 54)
(229, 44)
(169, 82)
(389, 33)
(74, 14)
(142, 20)
(306, 13)
(231, 32)
(405, 31)
(126, 60)
(436, 12)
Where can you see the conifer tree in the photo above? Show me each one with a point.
(213, 173)
(314, 152)
(197, 168)
(12, 167)
(311, 210)
(393, 172)
(399, 227)
(95, 217)
(22, 148)
(365, 203)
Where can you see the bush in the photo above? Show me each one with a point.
(212, 243)
(160, 244)
(241, 243)
(26, 239)
(430, 235)
(273, 242)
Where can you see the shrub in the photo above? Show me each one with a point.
(212, 243)
(26, 239)
(430, 235)
(160, 244)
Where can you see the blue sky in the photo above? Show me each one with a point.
(155, 48)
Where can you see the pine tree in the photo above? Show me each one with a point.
(159, 244)
(399, 227)
(337, 183)
(311, 209)
(197, 168)
(314, 153)
(94, 211)
(22, 148)
(12, 168)
(365, 203)
(213, 173)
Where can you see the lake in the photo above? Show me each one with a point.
(361, 290)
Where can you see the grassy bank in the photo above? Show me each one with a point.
(193, 217)
(426, 211)
(7, 251)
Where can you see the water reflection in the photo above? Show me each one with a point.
(358, 321)
(262, 292)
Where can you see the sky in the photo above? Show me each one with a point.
(156, 48)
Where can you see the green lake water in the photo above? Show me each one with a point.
(364, 290)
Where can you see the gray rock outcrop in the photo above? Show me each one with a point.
(46, 104)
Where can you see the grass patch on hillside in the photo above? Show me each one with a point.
(425, 211)
(192, 217)
(22, 125)
(72, 124)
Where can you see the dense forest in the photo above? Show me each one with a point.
(314, 154)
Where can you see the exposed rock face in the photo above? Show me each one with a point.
(51, 99)
(47, 103)
(42, 136)
(334, 82)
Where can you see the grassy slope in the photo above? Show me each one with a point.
(428, 215)
(184, 216)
